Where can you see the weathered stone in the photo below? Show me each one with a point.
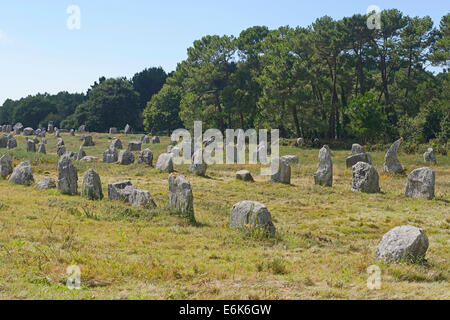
(316, 142)
(357, 149)
(251, 214)
(404, 243)
(420, 183)
(181, 198)
(365, 178)
(391, 162)
(155, 140)
(300, 142)
(110, 156)
(67, 176)
(88, 141)
(6, 167)
(46, 183)
(3, 141)
(430, 156)
(82, 128)
(60, 150)
(141, 198)
(12, 143)
(59, 142)
(134, 146)
(116, 144)
(360, 157)
(120, 190)
(22, 174)
(290, 159)
(126, 157)
(198, 165)
(72, 132)
(31, 146)
(165, 162)
(50, 127)
(145, 139)
(146, 156)
(28, 131)
(18, 127)
(281, 170)
(324, 174)
(127, 129)
(80, 154)
(41, 148)
(113, 130)
(90, 159)
(57, 133)
(92, 186)
(244, 175)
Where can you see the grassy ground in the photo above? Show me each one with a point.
(325, 239)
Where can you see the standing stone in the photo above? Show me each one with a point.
(12, 143)
(300, 142)
(88, 141)
(360, 157)
(244, 175)
(146, 156)
(60, 150)
(116, 144)
(36, 141)
(31, 146)
(145, 139)
(41, 148)
(324, 174)
(110, 156)
(281, 170)
(251, 214)
(155, 140)
(127, 129)
(365, 178)
(120, 191)
(391, 162)
(72, 132)
(126, 157)
(57, 133)
(165, 162)
(198, 165)
(404, 243)
(113, 130)
(141, 198)
(50, 127)
(430, 156)
(28, 131)
(22, 174)
(420, 184)
(181, 199)
(316, 142)
(46, 183)
(82, 128)
(357, 149)
(291, 159)
(3, 141)
(134, 146)
(67, 176)
(18, 127)
(6, 167)
(92, 186)
(59, 142)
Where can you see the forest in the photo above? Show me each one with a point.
(333, 80)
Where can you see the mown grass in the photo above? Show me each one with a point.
(324, 243)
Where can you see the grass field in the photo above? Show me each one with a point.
(325, 241)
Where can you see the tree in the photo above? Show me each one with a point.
(441, 54)
(32, 110)
(147, 83)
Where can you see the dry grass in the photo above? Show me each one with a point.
(325, 238)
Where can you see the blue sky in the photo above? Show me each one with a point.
(38, 53)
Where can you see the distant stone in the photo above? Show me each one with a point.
(28, 131)
(113, 130)
(6, 167)
(146, 156)
(291, 159)
(244, 175)
(22, 174)
(92, 186)
(420, 183)
(18, 127)
(357, 149)
(127, 129)
(12, 143)
(198, 165)
(50, 127)
(67, 176)
(72, 132)
(82, 128)
(116, 144)
(141, 198)
(44, 141)
(316, 142)
(430, 156)
(59, 142)
(404, 243)
(300, 142)
(46, 183)
(126, 157)
(41, 148)
(324, 174)
(359, 157)
(134, 146)
(155, 140)
(165, 162)
(120, 191)
(57, 133)
(281, 170)
(251, 214)
(391, 162)
(80, 154)
(31, 146)
(181, 198)
(88, 141)
(365, 178)
(110, 156)
(3, 141)
(145, 139)
(90, 159)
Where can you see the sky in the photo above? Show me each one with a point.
(39, 53)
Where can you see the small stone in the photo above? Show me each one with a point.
(134, 146)
(244, 175)
(420, 184)
(146, 156)
(110, 156)
(141, 198)
(46, 183)
(300, 142)
(88, 141)
(28, 131)
(357, 149)
(3, 141)
(251, 214)
(31, 146)
(281, 171)
(116, 144)
(290, 159)
(120, 190)
(126, 157)
(12, 143)
(198, 165)
(360, 157)
(80, 154)
(90, 159)
(113, 130)
(22, 174)
(155, 140)
(92, 186)
(127, 129)
(145, 139)
(430, 156)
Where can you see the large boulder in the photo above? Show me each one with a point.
(67, 176)
(430, 156)
(22, 174)
(365, 178)
(134, 146)
(251, 214)
(110, 156)
(92, 186)
(88, 141)
(165, 162)
(6, 167)
(46, 183)
(281, 170)
(404, 243)
(244, 175)
(324, 174)
(359, 157)
(146, 156)
(391, 162)
(116, 144)
(198, 165)
(181, 198)
(126, 157)
(420, 184)
(31, 146)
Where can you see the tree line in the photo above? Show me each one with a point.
(335, 79)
